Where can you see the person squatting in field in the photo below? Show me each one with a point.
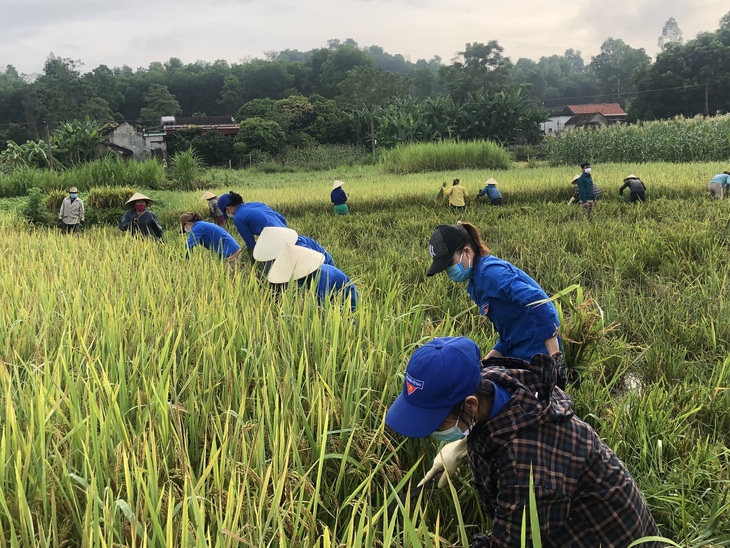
(491, 191)
(457, 195)
(516, 426)
(273, 239)
(210, 236)
(71, 215)
(307, 268)
(215, 212)
(250, 218)
(139, 220)
(339, 198)
(636, 188)
(719, 185)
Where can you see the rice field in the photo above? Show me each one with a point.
(146, 400)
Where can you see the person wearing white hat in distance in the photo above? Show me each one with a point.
(273, 239)
(139, 220)
(307, 268)
(71, 215)
(339, 198)
(636, 187)
(215, 212)
(492, 192)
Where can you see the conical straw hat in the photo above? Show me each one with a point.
(491, 181)
(207, 195)
(632, 176)
(271, 241)
(575, 178)
(293, 263)
(138, 196)
(337, 184)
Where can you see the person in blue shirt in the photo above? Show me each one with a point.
(719, 184)
(503, 292)
(492, 192)
(339, 199)
(250, 218)
(273, 239)
(210, 236)
(307, 267)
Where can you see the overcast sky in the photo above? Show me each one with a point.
(137, 32)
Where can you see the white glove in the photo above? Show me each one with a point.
(448, 460)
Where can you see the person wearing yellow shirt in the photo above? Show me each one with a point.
(457, 195)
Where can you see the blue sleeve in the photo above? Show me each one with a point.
(543, 316)
(126, 221)
(245, 233)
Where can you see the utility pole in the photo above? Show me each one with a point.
(707, 100)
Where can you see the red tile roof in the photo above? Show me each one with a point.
(607, 109)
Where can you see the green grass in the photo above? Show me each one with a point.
(150, 400)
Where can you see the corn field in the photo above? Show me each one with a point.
(678, 140)
(150, 400)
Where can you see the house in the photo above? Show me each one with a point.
(222, 124)
(592, 120)
(559, 120)
(130, 142)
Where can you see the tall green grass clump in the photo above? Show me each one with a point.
(186, 169)
(679, 140)
(445, 156)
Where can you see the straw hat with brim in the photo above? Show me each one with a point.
(207, 195)
(73, 190)
(186, 218)
(575, 179)
(271, 241)
(337, 184)
(293, 263)
(632, 176)
(491, 182)
(136, 197)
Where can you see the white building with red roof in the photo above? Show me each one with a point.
(589, 115)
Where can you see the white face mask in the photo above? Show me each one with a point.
(587, 170)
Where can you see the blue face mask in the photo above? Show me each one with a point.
(457, 272)
(74, 195)
(454, 433)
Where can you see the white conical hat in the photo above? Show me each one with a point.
(632, 176)
(138, 196)
(337, 184)
(575, 178)
(491, 181)
(271, 241)
(294, 262)
(207, 195)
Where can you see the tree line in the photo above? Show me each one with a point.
(346, 94)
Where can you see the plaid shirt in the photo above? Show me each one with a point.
(585, 496)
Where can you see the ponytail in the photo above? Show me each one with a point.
(474, 240)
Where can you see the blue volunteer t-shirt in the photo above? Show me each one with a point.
(212, 237)
(331, 281)
(309, 243)
(505, 294)
(252, 217)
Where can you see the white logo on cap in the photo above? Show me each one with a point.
(431, 251)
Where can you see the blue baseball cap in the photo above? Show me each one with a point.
(223, 202)
(440, 374)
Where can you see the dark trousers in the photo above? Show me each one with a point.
(496, 201)
(457, 208)
(637, 197)
(68, 229)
